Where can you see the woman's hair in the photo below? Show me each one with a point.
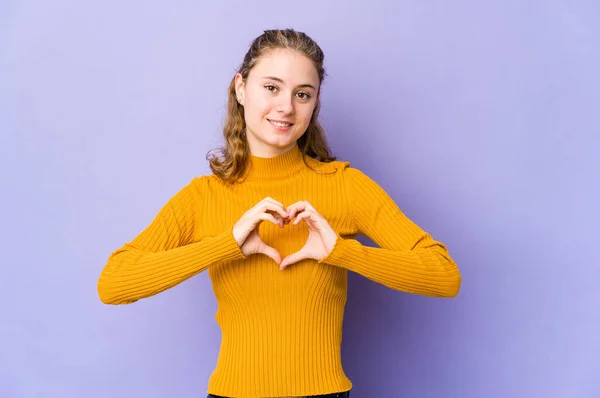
(235, 154)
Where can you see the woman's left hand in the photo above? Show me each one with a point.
(321, 237)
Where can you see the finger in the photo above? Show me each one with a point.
(293, 205)
(257, 214)
(307, 214)
(299, 207)
(291, 259)
(295, 209)
(269, 217)
(280, 219)
(272, 253)
(274, 208)
(271, 200)
(276, 216)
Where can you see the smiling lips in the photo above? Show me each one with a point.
(281, 125)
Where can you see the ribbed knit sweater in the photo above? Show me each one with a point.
(281, 329)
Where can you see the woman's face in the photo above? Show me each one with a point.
(279, 97)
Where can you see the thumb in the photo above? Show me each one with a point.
(271, 252)
(292, 258)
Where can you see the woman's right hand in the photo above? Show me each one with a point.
(245, 231)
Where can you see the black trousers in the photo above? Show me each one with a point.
(345, 394)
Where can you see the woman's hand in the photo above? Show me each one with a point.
(245, 231)
(321, 237)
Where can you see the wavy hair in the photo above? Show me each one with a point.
(234, 158)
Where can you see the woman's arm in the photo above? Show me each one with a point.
(407, 259)
(164, 253)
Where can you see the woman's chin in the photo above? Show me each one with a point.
(279, 141)
(276, 140)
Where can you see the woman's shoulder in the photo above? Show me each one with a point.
(206, 182)
(339, 167)
(197, 186)
(336, 167)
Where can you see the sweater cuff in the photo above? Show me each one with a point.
(227, 248)
(341, 252)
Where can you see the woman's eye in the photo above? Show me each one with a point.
(304, 95)
(270, 87)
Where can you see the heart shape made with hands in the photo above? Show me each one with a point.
(321, 236)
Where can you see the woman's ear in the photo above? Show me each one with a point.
(240, 88)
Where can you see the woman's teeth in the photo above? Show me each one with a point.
(281, 124)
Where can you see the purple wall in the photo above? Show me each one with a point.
(480, 120)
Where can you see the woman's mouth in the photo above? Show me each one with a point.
(281, 125)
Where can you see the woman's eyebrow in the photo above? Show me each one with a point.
(281, 81)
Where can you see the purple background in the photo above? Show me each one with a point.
(480, 120)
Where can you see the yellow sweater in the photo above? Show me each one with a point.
(281, 330)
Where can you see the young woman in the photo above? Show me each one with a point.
(280, 285)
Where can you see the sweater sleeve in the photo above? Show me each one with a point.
(408, 259)
(165, 254)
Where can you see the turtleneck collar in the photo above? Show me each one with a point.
(276, 168)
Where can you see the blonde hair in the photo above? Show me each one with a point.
(235, 154)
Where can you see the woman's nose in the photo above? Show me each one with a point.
(285, 104)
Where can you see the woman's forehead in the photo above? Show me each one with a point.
(287, 66)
